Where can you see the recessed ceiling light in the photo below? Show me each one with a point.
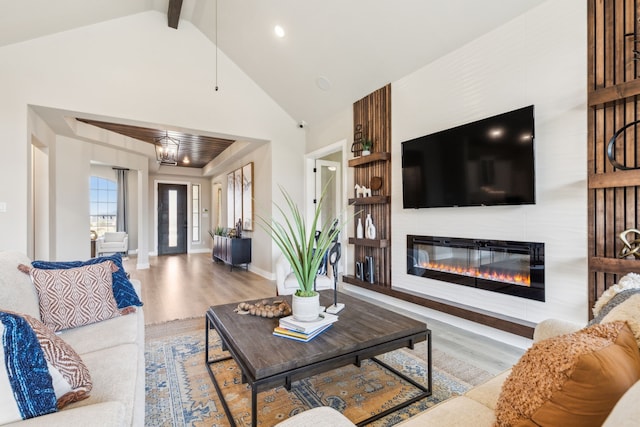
(279, 31)
(496, 132)
(323, 83)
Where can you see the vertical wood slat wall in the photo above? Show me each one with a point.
(373, 112)
(613, 89)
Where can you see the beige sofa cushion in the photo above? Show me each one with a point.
(115, 378)
(108, 414)
(458, 411)
(488, 392)
(105, 334)
(16, 290)
(323, 416)
(626, 413)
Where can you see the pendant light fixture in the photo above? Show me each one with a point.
(216, 42)
(167, 149)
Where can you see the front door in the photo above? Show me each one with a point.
(172, 219)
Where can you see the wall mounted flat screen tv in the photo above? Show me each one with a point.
(484, 163)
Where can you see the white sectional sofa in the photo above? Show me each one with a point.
(112, 350)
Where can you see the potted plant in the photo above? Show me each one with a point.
(366, 146)
(304, 252)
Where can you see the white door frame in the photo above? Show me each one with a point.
(309, 190)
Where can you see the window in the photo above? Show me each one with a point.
(195, 213)
(103, 196)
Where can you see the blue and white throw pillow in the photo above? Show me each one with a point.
(123, 290)
(26, 386)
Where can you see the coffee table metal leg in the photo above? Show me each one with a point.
(254, 405)
(424, 391)
(208, 363)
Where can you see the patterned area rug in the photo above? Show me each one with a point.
(179, 391)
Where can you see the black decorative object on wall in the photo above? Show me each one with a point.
(611, 155)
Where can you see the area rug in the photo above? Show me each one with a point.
(179, 391)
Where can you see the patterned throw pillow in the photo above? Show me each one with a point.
(70, 376)
(572, 380)
(75, 296)
(26, 389)
(123, 290)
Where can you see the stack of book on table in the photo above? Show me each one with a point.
(293, 329)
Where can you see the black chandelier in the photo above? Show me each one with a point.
(167, 149)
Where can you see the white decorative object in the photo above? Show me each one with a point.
(370, 229)
(362, 191)
(366, 152)
(359, 232)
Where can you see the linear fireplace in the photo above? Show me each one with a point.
(514, 268)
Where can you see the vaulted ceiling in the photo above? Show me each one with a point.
(333, 53)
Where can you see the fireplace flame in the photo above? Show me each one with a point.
(516, 279)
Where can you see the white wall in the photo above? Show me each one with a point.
(539, 58)
(134, 68)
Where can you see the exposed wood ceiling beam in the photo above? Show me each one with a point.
(173, 14)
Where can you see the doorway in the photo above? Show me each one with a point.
(172, 219)
(324, 166)
(328, 179)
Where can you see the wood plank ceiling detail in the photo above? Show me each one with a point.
(199, 149)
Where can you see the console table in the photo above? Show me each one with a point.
(363, 331)
(231, 250)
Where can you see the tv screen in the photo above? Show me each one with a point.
(484, 163)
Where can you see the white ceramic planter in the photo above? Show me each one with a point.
(305, 309)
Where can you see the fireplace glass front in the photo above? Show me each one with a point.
(514, 268)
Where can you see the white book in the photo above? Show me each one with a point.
(307, 327)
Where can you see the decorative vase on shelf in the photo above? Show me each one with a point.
(366, 152)
(305, 309)
(359, 231)
(370, 229)
(367, 223)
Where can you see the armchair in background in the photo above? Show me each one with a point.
(113, 242)
(286, 281)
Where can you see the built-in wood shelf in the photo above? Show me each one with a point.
(614, 265)
(371, 243)
(352, 280)
(509, 324)
(373, 200)
(613, 94)
(621, 178)
(371, 158)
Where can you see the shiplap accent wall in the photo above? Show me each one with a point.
(539, 58)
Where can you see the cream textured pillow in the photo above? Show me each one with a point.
(629, 281)
(628, 311)
(76, 296)
(572, 380)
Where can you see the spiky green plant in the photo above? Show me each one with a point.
(297, 241)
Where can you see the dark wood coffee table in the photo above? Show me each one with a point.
(363, 331)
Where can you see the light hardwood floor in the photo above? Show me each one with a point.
(184, 286)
